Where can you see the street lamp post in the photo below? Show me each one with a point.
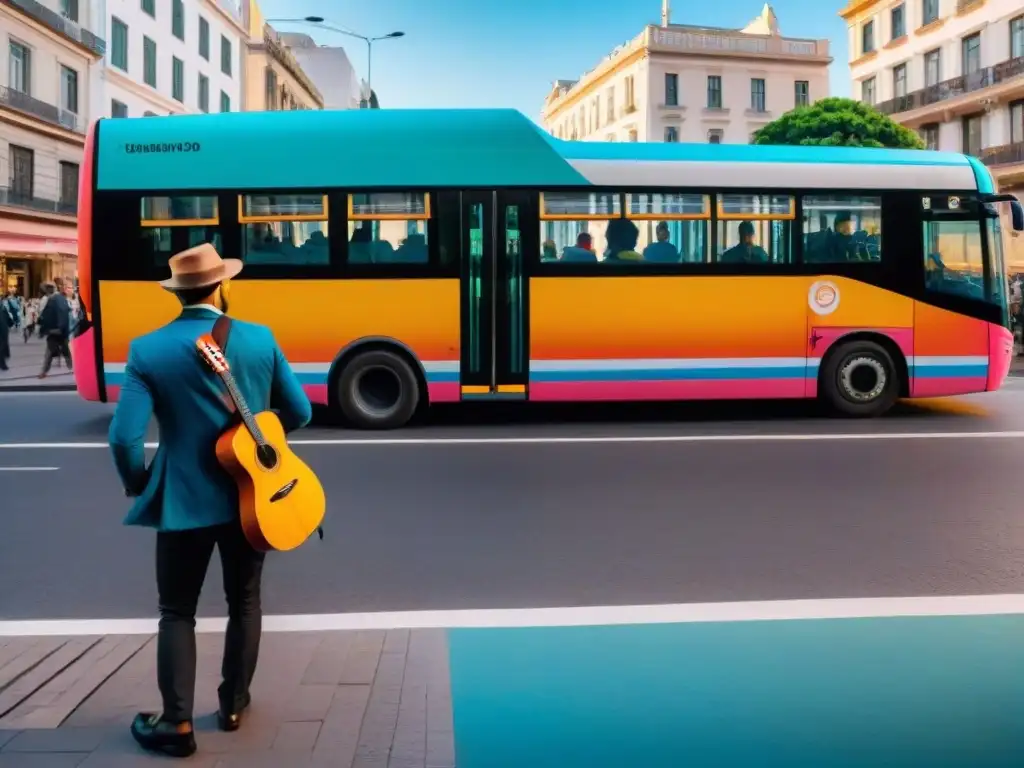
(318, 21)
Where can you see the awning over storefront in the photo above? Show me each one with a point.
(16, 245)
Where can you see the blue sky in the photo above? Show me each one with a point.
(495, 53)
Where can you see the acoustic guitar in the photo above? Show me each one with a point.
(281, 501)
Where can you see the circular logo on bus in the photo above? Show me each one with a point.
(824, 297)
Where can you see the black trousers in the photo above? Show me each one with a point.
(182, 558)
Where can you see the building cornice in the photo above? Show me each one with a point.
(145, 92)
(857, 7)
(31, 123)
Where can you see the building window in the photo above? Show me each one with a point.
(971, 133)
(69, 184)
(899, 80)
(634, 135)
(149, 6)
(930, 11)
(177, 79)
(930, 135)
(225, 55)
(270, 92)
(22, 172)
(970, 48)
(119, 44)
(1017, 122)
(714, 91)
(899, 26)
(1017, 37)
(178, 19)
(610, 105)
(867, 91)
(867, 38)
(932, 68)
(204, 38)
(204, 93)
(801, 93)
(715, 136)
(856, 218)
(671, 89)
(20, 68)
(149, 62)
(757, 94)
(225, 102)
(68, 89)
(671, 135)
(69, 9)
(118, 108)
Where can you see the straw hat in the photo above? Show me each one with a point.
(199, 267)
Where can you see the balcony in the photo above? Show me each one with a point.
(705, 41)
(1007, 154)
(59, 24)
(49, 113)
(958, 86)
(16, 199)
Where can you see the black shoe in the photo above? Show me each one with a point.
(231, 721)
(155, 734)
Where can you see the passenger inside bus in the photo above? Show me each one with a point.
(746, 251)
(661, 251)
(582, 252)
(622, 237)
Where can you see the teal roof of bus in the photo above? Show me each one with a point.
(400, 148)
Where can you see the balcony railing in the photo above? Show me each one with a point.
(18, 199)
(14, 99)
(59, 24)
(1007, 154)
(954, 87)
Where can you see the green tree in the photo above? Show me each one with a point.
(838, 122)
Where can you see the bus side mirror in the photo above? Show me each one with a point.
(1017, 216)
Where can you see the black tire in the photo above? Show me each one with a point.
(859, 380)
(378, 390)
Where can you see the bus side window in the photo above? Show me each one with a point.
(389, 228)
(755, 229)
(839, 229)
(170, 225)
(284, 230)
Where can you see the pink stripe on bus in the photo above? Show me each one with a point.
(1000, 356)
(667, 390)
(83, 355)
(444, 392)
(940, 386)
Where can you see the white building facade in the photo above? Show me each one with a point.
(171, 57)
(951, 69)
(677, 83)
(329, 67)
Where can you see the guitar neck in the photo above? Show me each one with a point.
(243, 407)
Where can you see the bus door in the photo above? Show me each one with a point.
(495, 350)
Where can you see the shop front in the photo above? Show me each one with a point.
(32, 253)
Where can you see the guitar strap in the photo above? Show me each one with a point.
(221, 332)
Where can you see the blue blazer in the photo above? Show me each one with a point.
(184, 487)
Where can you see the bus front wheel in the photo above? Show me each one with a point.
(859, 379)
(378, 390)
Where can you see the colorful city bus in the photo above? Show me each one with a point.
(406, 258)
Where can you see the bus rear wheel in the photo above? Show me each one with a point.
(378, 390)
(860, 380)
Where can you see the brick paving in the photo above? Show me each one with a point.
(26, 362)
(368, 699)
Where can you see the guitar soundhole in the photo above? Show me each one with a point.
(266, 456)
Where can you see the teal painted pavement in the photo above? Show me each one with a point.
(864, 693)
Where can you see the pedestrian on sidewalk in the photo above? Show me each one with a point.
(55, 325)
(6, 323)
(185, 494)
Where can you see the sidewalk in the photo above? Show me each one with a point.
(340, 699)
(26, 362)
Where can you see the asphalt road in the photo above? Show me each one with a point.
(661, 514)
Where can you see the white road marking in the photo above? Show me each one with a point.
(683, 613)
(723, 438)
(29, 469)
